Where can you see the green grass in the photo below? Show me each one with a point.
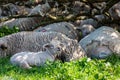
(5, 30)
(83, 69)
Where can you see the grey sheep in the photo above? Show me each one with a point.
(33, 42)
(63, 27)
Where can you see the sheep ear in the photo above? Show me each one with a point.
(76, 41)
(48, 45)
(3, 46)
(62, 44)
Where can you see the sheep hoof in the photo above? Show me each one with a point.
(25, 65)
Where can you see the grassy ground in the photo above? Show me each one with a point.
(83, 69)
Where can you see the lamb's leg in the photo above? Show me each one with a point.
(25, 65)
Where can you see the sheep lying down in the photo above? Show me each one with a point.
(63, 27)
(34, 41)
(53, 50)
(28, 59)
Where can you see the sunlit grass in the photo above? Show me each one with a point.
(83, 69)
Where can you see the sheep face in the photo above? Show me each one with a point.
(3, 48)
(54, 47)
(68, 51)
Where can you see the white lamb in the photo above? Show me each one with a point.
(28, 59)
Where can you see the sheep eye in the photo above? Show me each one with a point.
(58, 49)
(3, 47)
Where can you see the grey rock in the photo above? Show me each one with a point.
(23, 23)
(100, 18)
(27, 23)
(9, 9)
(40, 9)
(81, 7)
(101, 43)
(87, 26)
(114, 11)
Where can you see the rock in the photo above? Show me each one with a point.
(24, 24)
(115, 11)
(9, 9)
(100, 18)
(101, 43)
(87, 26)
(28, 23)
(98, 7)
(81, 7)
(40, 9)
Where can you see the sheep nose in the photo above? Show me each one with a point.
(103, 55)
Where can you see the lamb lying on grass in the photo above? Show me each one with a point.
(53, 50)
(34, 41)
(28, 59)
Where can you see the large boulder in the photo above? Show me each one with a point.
(114, 11)
(101, 43)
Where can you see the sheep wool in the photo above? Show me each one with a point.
(29, 59)
(63, 27)
(33, 42)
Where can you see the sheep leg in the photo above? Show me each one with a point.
(25, 65)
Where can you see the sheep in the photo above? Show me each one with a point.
(62, 27)
(27, 59)
(53, 50)
(69, 51)
(33, 42)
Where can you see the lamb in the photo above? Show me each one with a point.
(27, 59)
(33, 42)
(62, 27)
